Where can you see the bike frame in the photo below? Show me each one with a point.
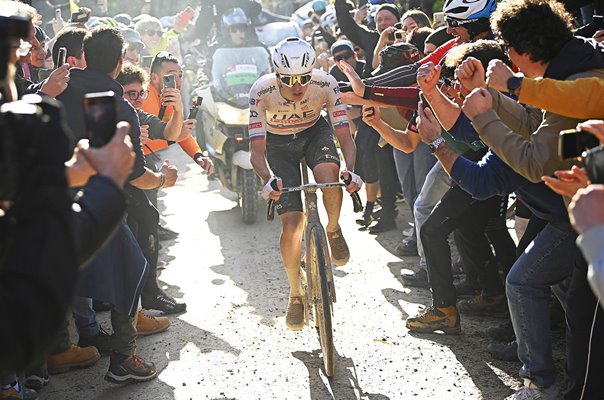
(313, 221)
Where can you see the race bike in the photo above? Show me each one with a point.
(223, 121)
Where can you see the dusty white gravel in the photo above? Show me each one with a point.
(232, 342)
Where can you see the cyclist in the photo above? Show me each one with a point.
(286, 124)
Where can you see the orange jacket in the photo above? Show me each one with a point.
(152, 105)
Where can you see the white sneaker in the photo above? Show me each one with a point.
(530, 391)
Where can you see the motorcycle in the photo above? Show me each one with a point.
(223, 123)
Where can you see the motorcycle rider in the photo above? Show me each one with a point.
(236, 31)
(286, 124)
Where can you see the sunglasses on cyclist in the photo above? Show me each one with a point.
(455, 23)
(290, 80)
(343, 56)
(135, 95)
(153, 32)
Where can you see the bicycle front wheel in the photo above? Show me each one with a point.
(322, 300)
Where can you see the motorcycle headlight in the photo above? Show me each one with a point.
(231, 115)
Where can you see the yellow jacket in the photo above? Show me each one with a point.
(581, 99)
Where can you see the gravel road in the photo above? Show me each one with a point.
(233, 344)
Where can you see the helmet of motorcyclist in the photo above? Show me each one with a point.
(328, 21)
(471, 15)
(293, 56)
(235, 20)
(319, 6)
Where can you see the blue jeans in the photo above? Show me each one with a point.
(435, 186)
(412, 170)
(85, 317)
(547, 261)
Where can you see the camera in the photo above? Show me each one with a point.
(594, 164)
(572, 143)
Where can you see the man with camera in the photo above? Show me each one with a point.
(164, 102)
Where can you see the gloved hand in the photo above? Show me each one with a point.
(271, 191)
(353, 181)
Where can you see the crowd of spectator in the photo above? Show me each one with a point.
(457, 110)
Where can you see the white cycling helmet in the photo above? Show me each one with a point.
(293, 56)
(328, 21)
(464, 10)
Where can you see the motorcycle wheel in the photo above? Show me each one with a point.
(249, 195)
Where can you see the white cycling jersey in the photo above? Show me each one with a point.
(269, 111)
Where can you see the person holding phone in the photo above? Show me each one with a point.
(52, 86)
(166, 65)
(387, 15)
(103, 51)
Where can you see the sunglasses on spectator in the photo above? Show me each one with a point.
(236, 28)
(290, 80)
(455, 23)
(153, 32)
(134, 95)
(343, 56)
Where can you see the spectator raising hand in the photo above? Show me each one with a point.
(183, 19)
(172, 97)
(427, 125)
(170, 174)
(372, 116)
(498, 74)
(355, 80)
(477, 102)
(428, 76)
(56, 82)
(471, 74)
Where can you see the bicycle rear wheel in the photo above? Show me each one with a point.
(322, 298)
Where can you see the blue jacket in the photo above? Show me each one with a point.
(491, 176)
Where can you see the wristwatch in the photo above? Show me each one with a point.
(433, 146)
(514, 83)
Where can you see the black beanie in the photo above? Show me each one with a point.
(391, 8)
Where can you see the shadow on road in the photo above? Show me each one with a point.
(252, 261)
(343, 385)
(162, 349)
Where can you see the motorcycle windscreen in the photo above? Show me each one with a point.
(234, 71)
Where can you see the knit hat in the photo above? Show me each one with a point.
(391, 8)
(341, 45)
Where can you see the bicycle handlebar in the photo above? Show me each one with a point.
(356, 199)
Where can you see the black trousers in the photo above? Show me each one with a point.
(388, 178)
(459, 211)
(143, 220)
(580, 308)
